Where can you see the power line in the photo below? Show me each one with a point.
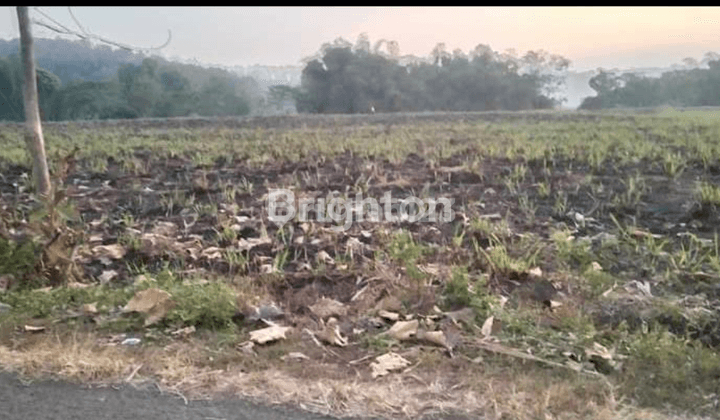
(62, 29)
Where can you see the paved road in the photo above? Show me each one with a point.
(57, 400)
(60, 401)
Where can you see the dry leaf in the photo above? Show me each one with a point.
(294, 355)
(155, 303)
(155, 244)
(466, 315)
(246, 244)
(600, 351)
(266, 312)
(165, 228)
(247, 348)
(107, 275)
(183, 332)
(212, 253)
(602, 358)
(430, 269)
(114, 251)
(325, 308)
(331, 334)
(486, 329)
(130, 342)
(608, 291)
(574, 365)
(34, 329)
(324, 257)
(386, 363)
(353, 246)
(90, 308)
(403, 330)
(266, 335)
(435, 337)
(390, 303)
(392, 316)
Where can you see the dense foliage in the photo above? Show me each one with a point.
(350, 79)
(691, 87)
(80, 82)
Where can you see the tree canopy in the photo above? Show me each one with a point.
(151, 87)
(348, 79)
(689, 87)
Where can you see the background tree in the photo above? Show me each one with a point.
(691, 86)
(347, 80)
(11, 89)
(343, 79)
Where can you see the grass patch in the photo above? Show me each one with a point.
(210, 305)
(666, 370)
(708, 193)
(462, 290)
(44, 303)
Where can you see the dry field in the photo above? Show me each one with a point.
(579, 276)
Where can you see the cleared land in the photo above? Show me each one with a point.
(579, 277)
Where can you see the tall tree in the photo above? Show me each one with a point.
(34, 134)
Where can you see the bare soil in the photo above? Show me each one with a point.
(161, 207)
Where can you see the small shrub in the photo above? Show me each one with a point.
(18, 259)
(210, 305)
(404, 249)
(462, 291)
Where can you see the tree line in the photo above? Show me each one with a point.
(346, 78)
(151, 88)
(100, 83)
(687, 87)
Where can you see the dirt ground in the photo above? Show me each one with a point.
(340, 290)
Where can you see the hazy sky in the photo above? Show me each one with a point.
(590, 37)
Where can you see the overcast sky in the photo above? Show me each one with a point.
(589, 37)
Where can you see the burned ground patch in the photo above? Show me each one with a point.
(576, 242)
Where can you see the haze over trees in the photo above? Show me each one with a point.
(100, 83)
(346, 78)
(79, 81)
(693, 86)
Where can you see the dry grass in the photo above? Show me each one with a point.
(513, 392)
(76, 357)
